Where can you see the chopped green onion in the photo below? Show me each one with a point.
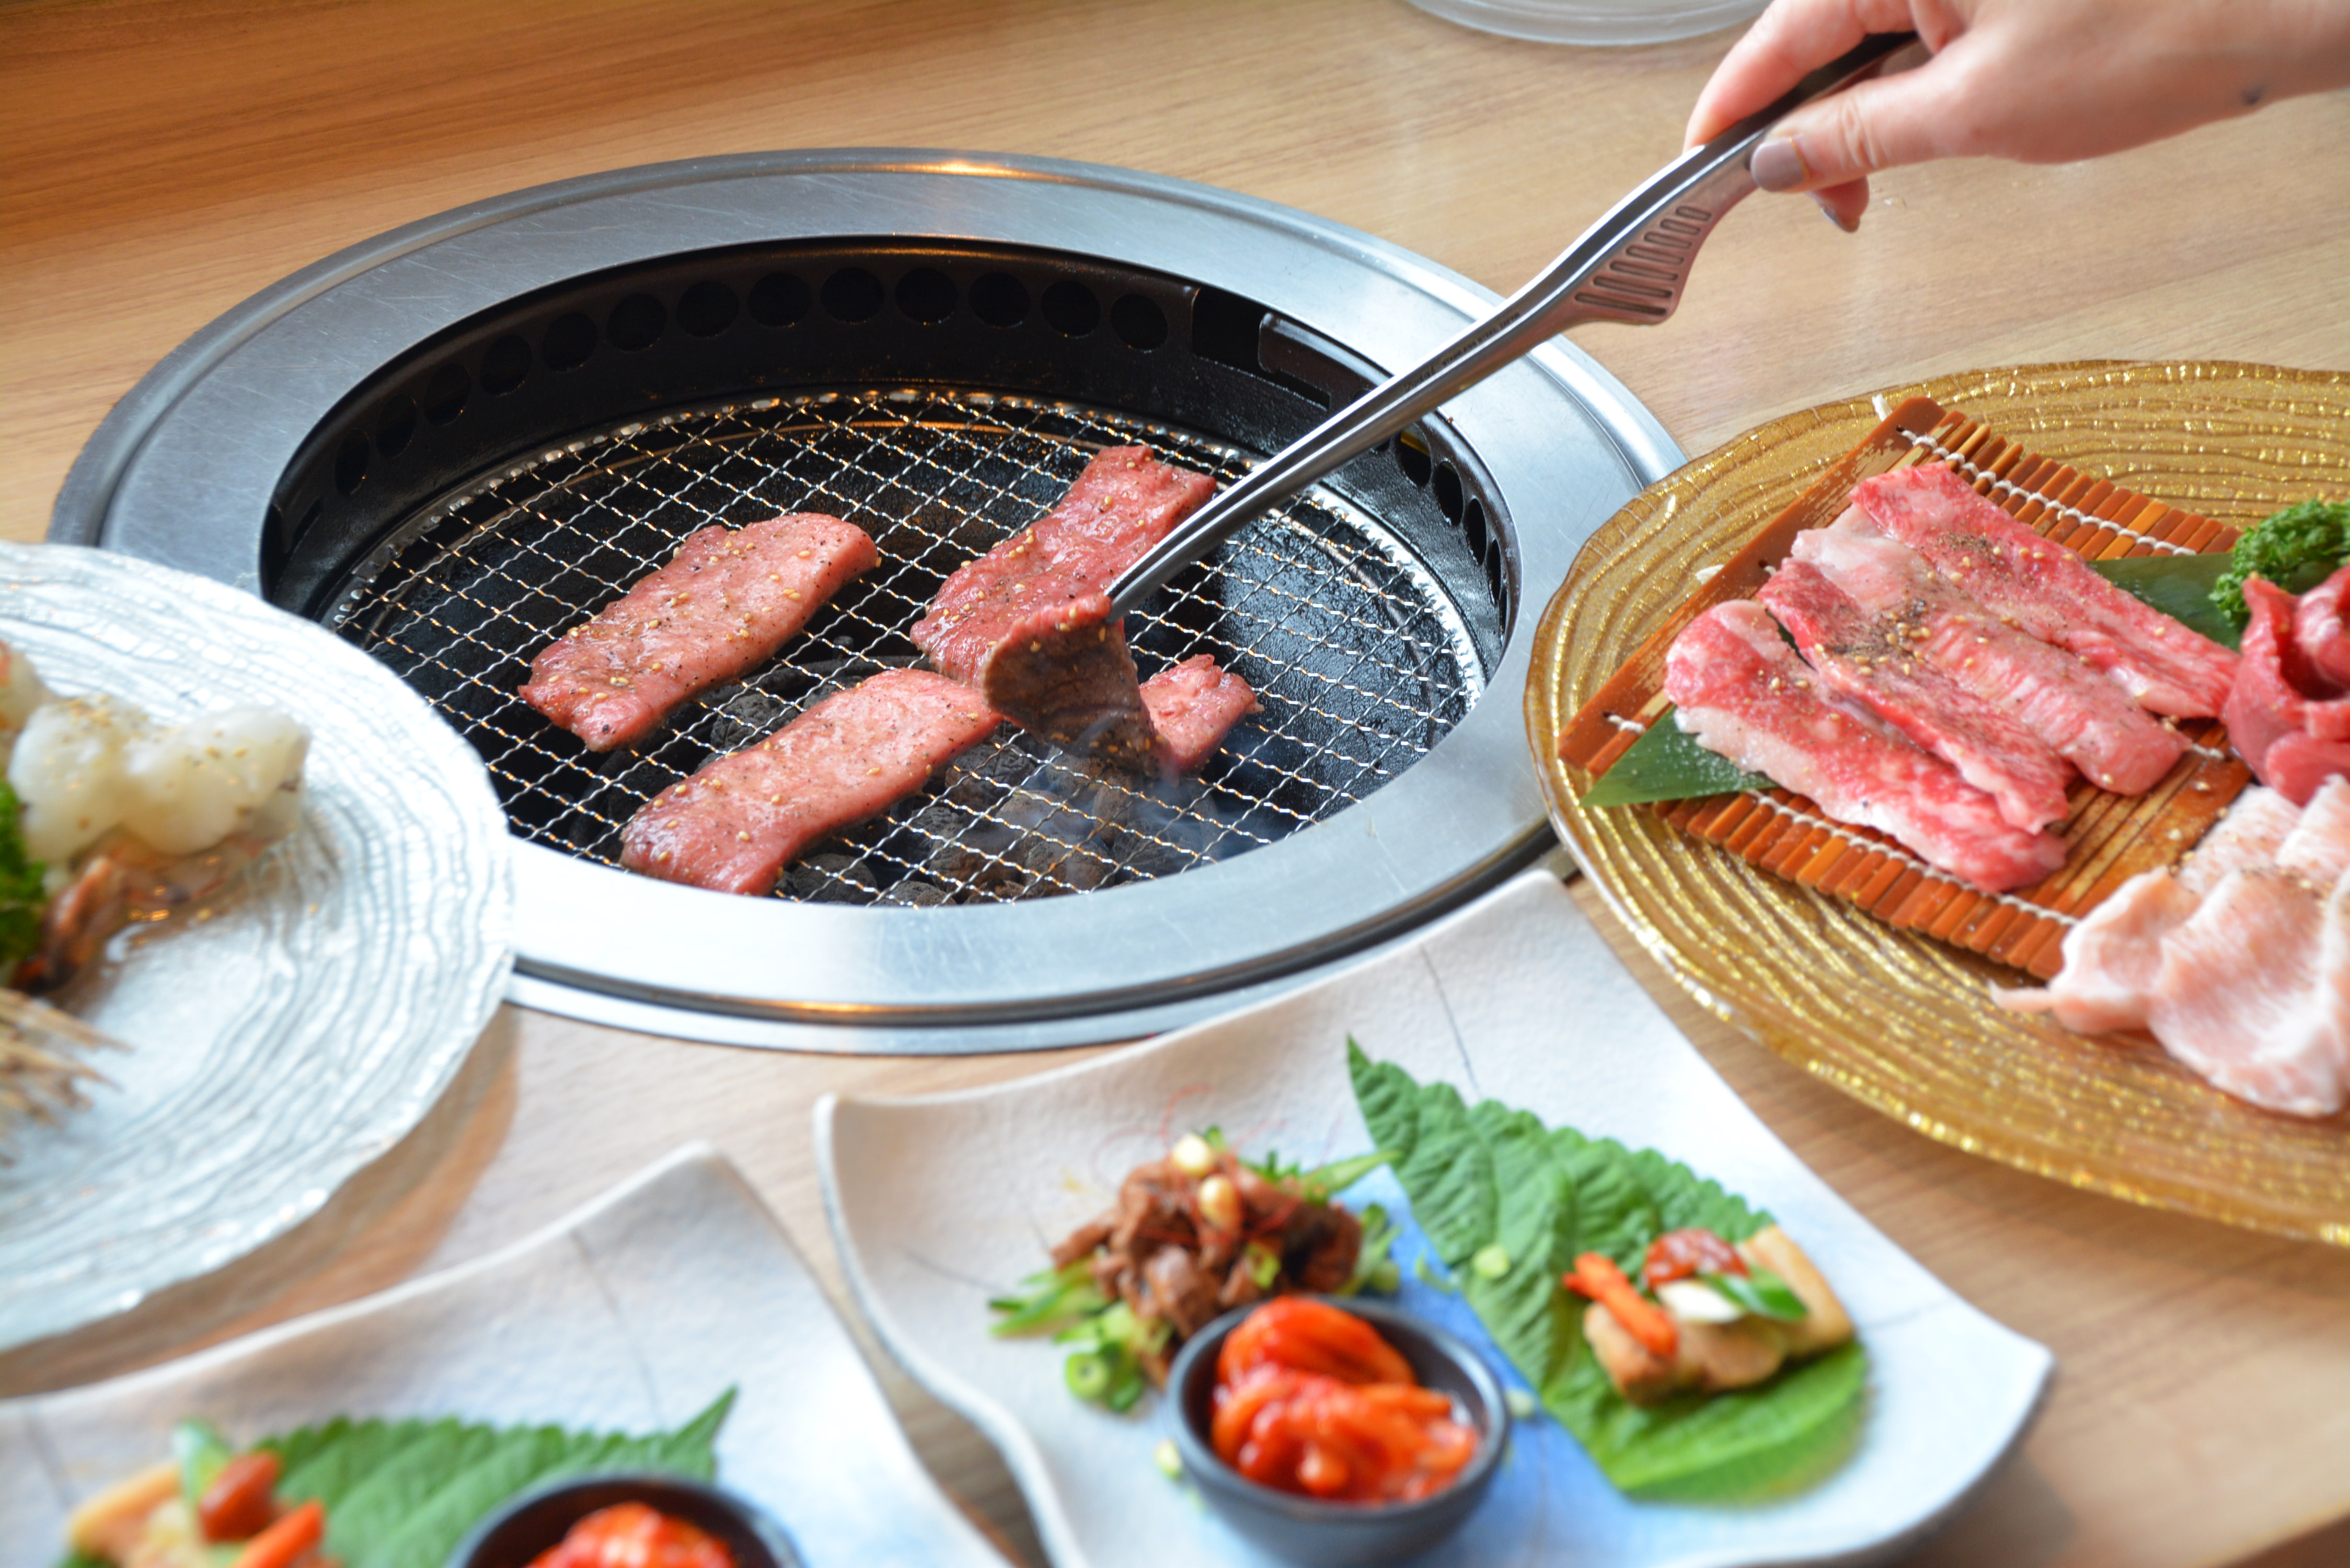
(1263, 1264)
(1047, 1299)
(1430, 1278)
(1127, 1388)
(1317, 1185)
(202, 1453)
(1372, 1264)
(1169, 1458)
(1760, 1292)
(1089, 1373)
(1491, 1262)
(1521, 1403)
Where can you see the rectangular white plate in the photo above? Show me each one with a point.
(631, 1315)
(939, 1203)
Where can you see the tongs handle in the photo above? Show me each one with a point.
(1629, 266)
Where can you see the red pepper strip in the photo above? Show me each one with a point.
(1678, 1254)
(1595, 1275)
(282, 1542)
(238, 1505)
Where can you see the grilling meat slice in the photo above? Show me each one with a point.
(733, 825)
(1740, 691)
(1192, 707)
(1198, 1232)
(1027, 624)
(721, 606)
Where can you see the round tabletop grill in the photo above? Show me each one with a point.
(457, 441)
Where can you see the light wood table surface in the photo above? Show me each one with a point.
(165, 160)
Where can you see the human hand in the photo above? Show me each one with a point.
(2039, 81)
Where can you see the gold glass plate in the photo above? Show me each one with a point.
(1900, 1021)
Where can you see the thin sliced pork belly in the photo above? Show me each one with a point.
(733, 825)
(2243, 998)
(2318, 847)
(1193, 706)
(2255, 827)
(2292, 740)
(2085, 717)
(2111, 958)
(1027, 624)
(2319, 626)
(1872, 660)
(1743, 692)
(2048, 590)
(719, 608)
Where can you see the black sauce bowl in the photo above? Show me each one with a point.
(533, 1523)
(1343, 1535)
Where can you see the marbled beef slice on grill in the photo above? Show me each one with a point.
(733, 825)
(1027, 624)
(718, 609)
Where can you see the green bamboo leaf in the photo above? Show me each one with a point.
(1665, 764)
(2177, 586)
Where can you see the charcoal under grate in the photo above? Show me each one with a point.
(1359, 658)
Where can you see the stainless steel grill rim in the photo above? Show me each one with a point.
(187, 466)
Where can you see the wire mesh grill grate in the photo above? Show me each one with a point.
(1358, 654)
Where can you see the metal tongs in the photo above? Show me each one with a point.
(1629, 266)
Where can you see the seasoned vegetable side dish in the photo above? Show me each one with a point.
(364, 1494)
(1677, 1333)
(1191, 1236)
(1310, 1399)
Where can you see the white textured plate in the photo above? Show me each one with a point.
(939, 1202)
(631, 1315)
(295, 1034)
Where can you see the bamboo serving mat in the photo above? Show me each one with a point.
(2109, 838)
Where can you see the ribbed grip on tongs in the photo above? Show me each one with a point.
(1631, 266)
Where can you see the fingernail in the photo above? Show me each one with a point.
(1777, 165)
(1850, 225)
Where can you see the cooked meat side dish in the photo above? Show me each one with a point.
(719, 608)
(1713, 1317)
(734, 825)
(1192, 1235)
